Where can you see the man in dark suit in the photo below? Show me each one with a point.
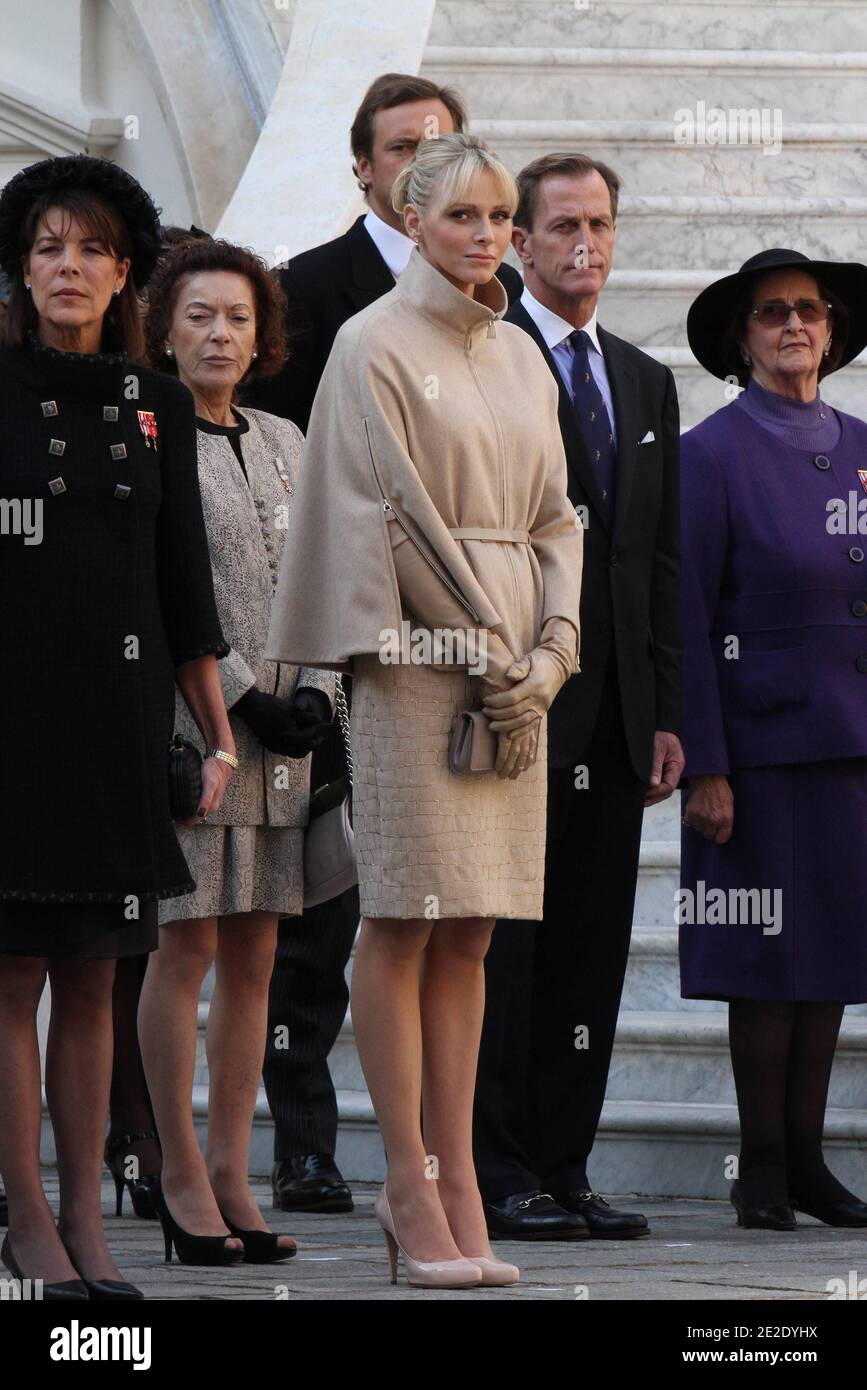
(324, 287)
(553, 988)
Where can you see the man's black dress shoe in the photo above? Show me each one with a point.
(532, 1216)
(310, 1182)
(777, 1216)
(604, 1222)
(833, 1213)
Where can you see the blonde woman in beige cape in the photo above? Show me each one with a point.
(433, 496)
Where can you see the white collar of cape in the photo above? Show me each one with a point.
(428, 291)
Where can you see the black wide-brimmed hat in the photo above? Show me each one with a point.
(96, 175)
(710, 316)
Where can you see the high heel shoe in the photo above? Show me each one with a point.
(436, 1274)
(115, 1289)
(496, 1274)
(777, 1216)
(140, 1189)
(190, 1249)
(833, 1212)
(260, 1247)
(71, 1290)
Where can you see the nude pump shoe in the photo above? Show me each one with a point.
(496, 1274)
(437, 1274)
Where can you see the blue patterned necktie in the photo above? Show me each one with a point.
(593, 420)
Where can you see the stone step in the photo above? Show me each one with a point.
(816, 160)
(690, 24)
(685, 232)
(700, 394)
(653, 1147)
(656, 83)
(658, 878)
(682, 1056)
(680, 1149)
(673, 1048)
(652, 981)
(649, 307)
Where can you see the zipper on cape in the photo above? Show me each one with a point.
(437, 569)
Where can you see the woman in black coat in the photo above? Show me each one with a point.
(106, 600)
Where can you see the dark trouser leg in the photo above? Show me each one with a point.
(499, 1118)
(582, 949)
(309, 995)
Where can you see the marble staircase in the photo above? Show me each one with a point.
(607, 78)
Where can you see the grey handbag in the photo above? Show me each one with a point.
(472, 744)
(330, 865)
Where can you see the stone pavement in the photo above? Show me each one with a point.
(695, 1252)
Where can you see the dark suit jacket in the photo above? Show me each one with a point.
(324, 287)
(630, 593)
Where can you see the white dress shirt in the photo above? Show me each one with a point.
(556, 333)
(393, 246)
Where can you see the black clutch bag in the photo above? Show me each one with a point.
(185, 778)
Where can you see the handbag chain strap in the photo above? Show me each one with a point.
(343, 720)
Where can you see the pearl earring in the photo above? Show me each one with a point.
(254, 356)
(828, 348)
(170, 352)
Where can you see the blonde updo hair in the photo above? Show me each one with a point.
(442, 171)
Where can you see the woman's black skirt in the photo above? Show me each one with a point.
(76, 931)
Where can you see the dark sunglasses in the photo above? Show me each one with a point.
(776, 312)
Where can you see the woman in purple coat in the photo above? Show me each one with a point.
(773, 902)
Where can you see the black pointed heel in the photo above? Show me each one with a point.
(776, 1217)
(116, 1290)
(70, 1291)
(260, 1247)
(140, 1189)
(190, 1249)
(834, 1213)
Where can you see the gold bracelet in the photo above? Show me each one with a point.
(223, 757)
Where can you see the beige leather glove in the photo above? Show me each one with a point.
(434, 604)
(517, 752)
(537, 676)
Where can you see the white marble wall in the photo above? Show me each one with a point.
(297, 189)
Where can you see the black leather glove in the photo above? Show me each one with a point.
(310, 711)
(273, 721)
(313, 711)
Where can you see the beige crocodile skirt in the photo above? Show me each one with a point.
(431, 844)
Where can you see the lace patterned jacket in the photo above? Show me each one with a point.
(246, 519)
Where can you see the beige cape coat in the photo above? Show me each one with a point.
(415, 419)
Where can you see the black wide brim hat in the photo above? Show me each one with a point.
(710, 316)
(81, 171)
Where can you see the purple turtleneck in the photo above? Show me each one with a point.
(811, 425)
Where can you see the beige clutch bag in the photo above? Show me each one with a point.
(472, 745)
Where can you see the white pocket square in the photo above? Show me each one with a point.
(649, 438)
